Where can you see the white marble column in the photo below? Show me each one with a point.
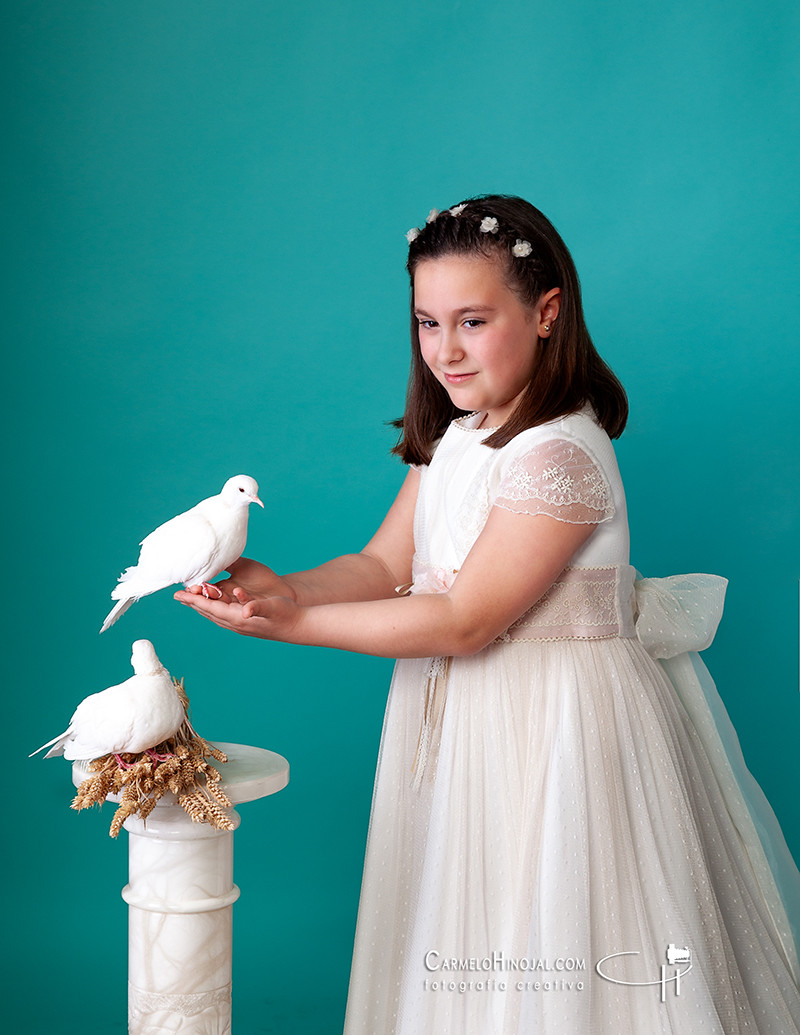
(180, 895)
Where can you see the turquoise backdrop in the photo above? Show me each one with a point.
(204, 276)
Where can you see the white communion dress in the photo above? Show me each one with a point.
(564, 839)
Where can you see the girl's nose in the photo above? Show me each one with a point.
(450, 350)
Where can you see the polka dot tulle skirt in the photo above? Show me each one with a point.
(574, 857)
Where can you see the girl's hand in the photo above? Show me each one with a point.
(269, 618)
(253, 579)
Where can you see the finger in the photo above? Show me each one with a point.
(241, 595)
(214, 586)
(197, 600)
(226, 616)
(263, 607)
(225, 613)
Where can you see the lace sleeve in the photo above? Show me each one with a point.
(559, 479)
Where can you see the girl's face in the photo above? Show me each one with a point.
(478, 338)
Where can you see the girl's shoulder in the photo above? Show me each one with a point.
(464, 437)
(580, 428)
(565, 468)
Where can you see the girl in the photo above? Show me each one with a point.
(558, 843)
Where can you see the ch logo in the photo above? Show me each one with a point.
(675, 958)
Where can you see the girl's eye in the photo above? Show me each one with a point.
(473, 323)
(427, 324)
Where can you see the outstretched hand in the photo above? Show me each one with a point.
(270, 617)
(254, 601)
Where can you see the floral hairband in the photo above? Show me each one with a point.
(489, 225)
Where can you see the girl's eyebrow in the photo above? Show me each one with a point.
(460, 312)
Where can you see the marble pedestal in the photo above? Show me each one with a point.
(180, 896)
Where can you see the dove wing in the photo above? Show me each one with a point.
(131, 716)
(183, 549)
(137, 714)
(99, 724)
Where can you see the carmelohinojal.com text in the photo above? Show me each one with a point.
(528, 973)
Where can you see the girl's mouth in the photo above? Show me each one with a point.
(457, 379)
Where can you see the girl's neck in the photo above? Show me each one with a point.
(483, 423)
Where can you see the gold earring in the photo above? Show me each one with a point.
(547, 326)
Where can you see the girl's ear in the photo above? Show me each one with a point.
(548, 308)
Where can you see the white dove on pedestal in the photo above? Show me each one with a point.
(191, 548)
(131, 717)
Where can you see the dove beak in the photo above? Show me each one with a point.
(255, 499)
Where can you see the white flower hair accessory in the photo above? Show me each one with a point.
(457, 210)
(489, 225)
(434, 212)
(412, 234)
(521, 249)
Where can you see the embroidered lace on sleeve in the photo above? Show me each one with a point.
(559, 479)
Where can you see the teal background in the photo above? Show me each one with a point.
(204, 276)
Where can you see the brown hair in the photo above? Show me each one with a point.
(569, 371)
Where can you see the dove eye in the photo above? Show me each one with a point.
(241, 490)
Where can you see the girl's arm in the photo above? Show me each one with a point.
(383, 564)
(512, 564)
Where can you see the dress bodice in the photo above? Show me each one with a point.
(566, 469)
(466, 478)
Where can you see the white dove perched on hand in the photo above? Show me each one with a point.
(131, 717)
(192, 548)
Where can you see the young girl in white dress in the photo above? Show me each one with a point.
(563, 840)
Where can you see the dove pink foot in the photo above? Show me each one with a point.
(210, 590)
(158, 758)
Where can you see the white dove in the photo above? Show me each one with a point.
(133, 716)
(191, 548)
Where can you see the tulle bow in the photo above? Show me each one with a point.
(678, 614)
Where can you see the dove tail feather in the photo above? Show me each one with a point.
(117, 611)
(50, 743)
